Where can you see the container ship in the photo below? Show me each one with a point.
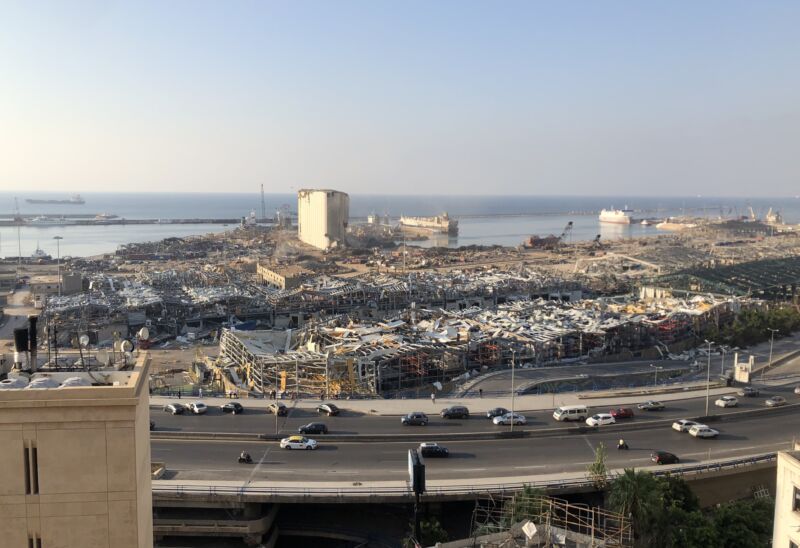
(440, 224)
(75, 199)
(616, 216)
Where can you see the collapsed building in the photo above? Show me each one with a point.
(422, 346)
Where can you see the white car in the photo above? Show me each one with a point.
(600, 419)
(508, 418)
(198, 408)
(703, 431)
(727, 401)
(683, 425)
(298, 442)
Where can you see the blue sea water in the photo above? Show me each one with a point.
(483, 220)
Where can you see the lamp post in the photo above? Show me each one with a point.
(708, 374)
(58, 254)
(722, 362)
(771, 340)
(657, 369)
(513, 356)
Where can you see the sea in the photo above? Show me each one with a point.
(483, 220)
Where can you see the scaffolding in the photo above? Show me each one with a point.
(496, 521)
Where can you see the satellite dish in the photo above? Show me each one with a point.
(127, 346)
(144, 333)
(84, 340)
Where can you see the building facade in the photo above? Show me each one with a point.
(76, 462)
(282, 277)
(322, 217)
(786, 529)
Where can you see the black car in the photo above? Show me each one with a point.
(233, 407)
(749, 392)
(328, 408)
(416, 418)
(175, 408)
(313, 428)
(455, 412)
(496, 412)
(277, 408)
(430, 449)
(662, 457)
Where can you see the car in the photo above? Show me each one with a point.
(298, 442)
(416, 418)
(175, 408)
(510, 418)
(233, 407)
(152, 425)
(651, 405)
(749, 392)
(775, 401)
(496, 412)
(198, 408)
(328, 409)
(600, 419)
(622, 413)
(703, 431)
(726, 401)
(455, 412)
(663, 457)
(683, 425)
(433, 449)
(277, 408)
(313, 428)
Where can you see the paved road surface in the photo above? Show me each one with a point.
(337, 461)
(256, 420)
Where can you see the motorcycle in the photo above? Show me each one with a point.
(245, 460)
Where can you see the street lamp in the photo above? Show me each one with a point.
(657, 369)
(771, 340)
(58, 254)
(513, 356)
(708, 374)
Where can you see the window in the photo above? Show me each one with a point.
(796, 500)
(793, 544)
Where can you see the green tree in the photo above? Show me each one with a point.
(430, 532)
(744, 523)
(530, 504)
(689, 530)
(676, 493)
(597, 471)
(637, 494)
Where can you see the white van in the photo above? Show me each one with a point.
(571, 413)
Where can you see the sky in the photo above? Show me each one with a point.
(404, 97)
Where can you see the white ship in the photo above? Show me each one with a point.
(43, 220)
(441, 224)
(616, 216)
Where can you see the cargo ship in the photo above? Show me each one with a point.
(440, 224)
(616, 216)
(75, 199)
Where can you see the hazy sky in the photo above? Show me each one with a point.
(608, 97)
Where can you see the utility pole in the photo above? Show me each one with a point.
(708, 375)
(771, 340)
(513, 356)
(58, 252)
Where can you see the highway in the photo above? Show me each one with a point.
(364, 461)
(257, 421)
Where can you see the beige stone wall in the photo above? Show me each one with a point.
(787, 521)
(92, 466)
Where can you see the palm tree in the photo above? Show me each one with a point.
(637, 494)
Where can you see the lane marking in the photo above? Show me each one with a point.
(590, 445)
(196, 470)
